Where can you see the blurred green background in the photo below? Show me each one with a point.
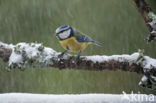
(115, 23)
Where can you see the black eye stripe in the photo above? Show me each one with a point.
(62, 31)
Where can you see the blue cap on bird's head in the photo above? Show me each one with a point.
(62, 28)
(64, 32)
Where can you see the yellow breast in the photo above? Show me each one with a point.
(73, 44)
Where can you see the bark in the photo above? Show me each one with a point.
(144, 9)
(83, 64)
(5, 53)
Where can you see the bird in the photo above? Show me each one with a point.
(72, 40)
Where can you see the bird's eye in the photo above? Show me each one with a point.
(60, 32)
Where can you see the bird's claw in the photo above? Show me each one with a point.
(77, 59)
(61, 55)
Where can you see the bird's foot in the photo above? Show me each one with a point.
(77, 59)
(61, 55)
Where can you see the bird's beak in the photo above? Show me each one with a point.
(57, 36)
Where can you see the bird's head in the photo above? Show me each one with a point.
(64, 32)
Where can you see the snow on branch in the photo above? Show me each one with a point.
(149, 18)
(34, 55)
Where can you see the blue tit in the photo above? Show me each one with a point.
(72, 40)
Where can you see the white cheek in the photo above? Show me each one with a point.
(65, 34)
(57, 30)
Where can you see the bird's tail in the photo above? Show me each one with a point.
(97, 43)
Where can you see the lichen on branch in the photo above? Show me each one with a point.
(34, 55)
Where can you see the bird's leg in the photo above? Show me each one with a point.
(78, 56)
(61, 55)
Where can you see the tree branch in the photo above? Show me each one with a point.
(71, 62)
(25, 55)
(149, 18)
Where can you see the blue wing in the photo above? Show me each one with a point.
(84, 38)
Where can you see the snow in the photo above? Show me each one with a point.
(119, 58)
(15, 58)
(6, 45)
(149, 61)
(154, 78)
(76, 98)
(152, 16)
(26, 55)
(144, 78)
(124, 58)
(153, 22)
